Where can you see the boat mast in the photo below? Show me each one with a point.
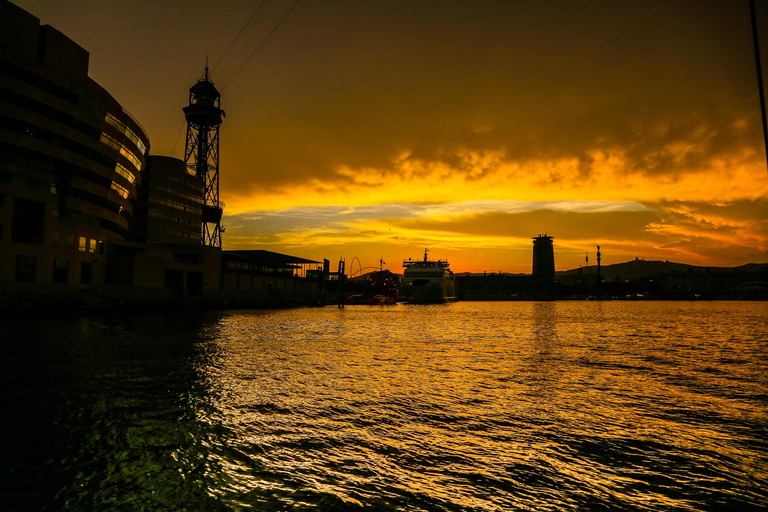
(759, 77)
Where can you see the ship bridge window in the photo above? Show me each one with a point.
(425, 274)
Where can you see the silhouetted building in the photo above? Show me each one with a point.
(543, 257)
(169, 207)
(70, 160)
(250, 277)
(540, 285)
(86, 215)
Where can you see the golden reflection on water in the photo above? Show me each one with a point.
(491, 406)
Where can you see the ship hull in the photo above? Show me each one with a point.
(430, 292)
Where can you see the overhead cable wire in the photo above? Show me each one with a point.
(226, 52)
(247, 24)
(178, 135)
(270, 37)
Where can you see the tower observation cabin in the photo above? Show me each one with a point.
(204, 116)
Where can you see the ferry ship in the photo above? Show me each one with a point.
(427, 281)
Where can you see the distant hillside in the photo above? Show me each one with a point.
(637, 269)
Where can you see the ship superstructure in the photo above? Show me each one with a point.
(427, 281)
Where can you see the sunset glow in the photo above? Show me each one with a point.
(377, 129)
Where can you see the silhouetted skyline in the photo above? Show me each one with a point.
(379, 128)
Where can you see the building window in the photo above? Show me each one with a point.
(28, 221)
(125, 173)
(122, 191)
(70, 243)
(25, 268)
(127, 153)
(55, 238)
(127, 131)
(83, 246)
(60, 270)
(86, 272)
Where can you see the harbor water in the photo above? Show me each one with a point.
(452, 407)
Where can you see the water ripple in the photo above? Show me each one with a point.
(466, 406)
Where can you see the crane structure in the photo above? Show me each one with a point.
(201, 156)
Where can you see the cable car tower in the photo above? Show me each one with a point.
(204, 116)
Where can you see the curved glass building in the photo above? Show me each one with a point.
(87, 216)
(71, 158)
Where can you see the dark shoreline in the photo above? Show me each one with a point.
(26, 308)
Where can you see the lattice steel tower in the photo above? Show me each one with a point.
(204, 116)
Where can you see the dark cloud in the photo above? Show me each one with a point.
(354, 84)
(554, 79)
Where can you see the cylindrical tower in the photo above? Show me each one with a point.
(204, 116)
(543, 257)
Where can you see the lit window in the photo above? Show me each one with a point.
(109, 141)
(125, 173)
(83, 244)
(120, 190)
(127, 131)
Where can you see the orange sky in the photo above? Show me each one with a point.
(375, 129)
